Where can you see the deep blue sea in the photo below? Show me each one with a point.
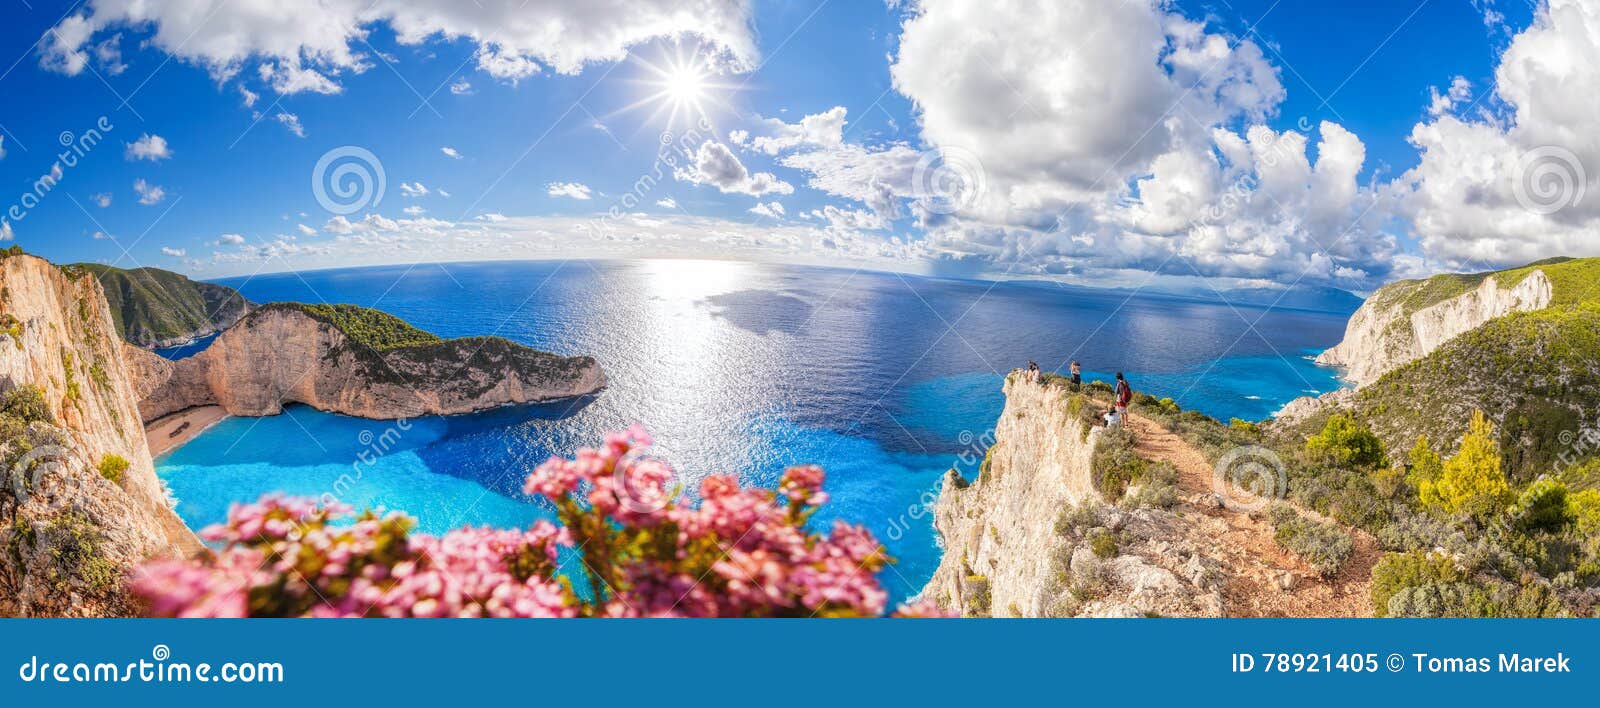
(886, 380)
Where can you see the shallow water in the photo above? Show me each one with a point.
(885, 380)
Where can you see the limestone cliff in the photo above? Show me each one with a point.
(1391, 329)
(81, 502)
(288, 353)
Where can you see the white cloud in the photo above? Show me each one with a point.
(149, 193)
(148, 147)
(824, 129)
(102, 199)
(492, 217)
(450, 152)
(413, 189)
(248, 97)
(6, 234)
(667, 203)
(308, 46)
(771, 210)
(714, 164)
(101, 236)
(230, 240)
(461, 87)
(291, 123)
(414, 210)
(1498, 190)
(305, 230)
(572, 190)
(174, 252)
(2, 147)
(443, 194)
(1441, 103)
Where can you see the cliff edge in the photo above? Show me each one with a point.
(81, 502)
(354, 361)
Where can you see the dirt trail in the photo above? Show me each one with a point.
(1254, 562)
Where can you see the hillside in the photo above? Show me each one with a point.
(154, 308)
(355, 361)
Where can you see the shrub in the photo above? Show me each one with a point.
(1323, 545)
(1542, 506)
(1158, 487)
(1395, 572)
(1584, 508)
(1471, 482)
(25, 404)
(112, 466)
(74, 548)
(1114, 465)
(644, 551)
(1345, 441)
(1103, 544)
(1244, 426)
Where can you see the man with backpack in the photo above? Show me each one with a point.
(1124, 395)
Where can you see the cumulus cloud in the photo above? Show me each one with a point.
(450, 152)
(771, 210)
(102, 199)
(6, 234)
(1498, 190)
(230, 240)
(773, 136)
(307, 47)
(414, 210)
(413, 189)
(101, 236)
(305, 230)
(667, 203)
(714, 164)
(461, 87)
(572, 190)
(149, 193)
(148, 147)
(174, 252)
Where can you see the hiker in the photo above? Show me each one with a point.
(1111, 418)
(1124, 395)
(1033, 371)
(1077, 375)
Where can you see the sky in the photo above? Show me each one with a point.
(1102, 142)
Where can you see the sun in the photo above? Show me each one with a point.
(679, 87)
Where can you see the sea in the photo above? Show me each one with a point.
(886, 380)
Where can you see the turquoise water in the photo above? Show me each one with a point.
(885, 380)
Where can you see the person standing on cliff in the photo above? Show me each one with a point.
(1033, 372)
(1124, 395)
(1077, 375)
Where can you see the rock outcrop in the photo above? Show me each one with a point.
(286, 353)
(1388, 331)
(81, 502)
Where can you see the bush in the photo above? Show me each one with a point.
(1542, 506)
(1396, 572)
(1322, 545)
(1244, 426)
(112, 466)
(1103, 544)
(1158, 487)
(74, 547)
(1345, 441)
(1114, 465)
(25, 404)
(1471, 482)
(1584, 508)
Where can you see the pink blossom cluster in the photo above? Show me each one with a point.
(644, 551)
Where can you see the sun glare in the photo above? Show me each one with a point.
(679, 87)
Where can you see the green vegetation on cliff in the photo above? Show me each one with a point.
(363, 325)
(152, 307)
(1572, 281)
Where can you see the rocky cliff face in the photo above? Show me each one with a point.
(81, 502)
(1385, 333)
(280, 354)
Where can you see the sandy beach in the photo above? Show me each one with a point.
(169, 432)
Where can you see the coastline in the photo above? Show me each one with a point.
(170, 432)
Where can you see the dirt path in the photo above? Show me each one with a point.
(1255, 563)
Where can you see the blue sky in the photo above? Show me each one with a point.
(236, 180)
